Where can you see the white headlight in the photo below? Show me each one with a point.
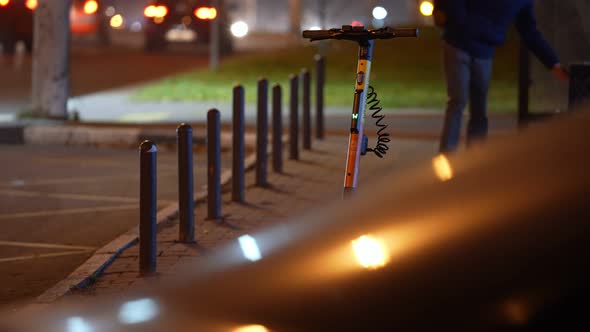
(379, 13)
(239, 29)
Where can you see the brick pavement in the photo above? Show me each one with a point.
(315, 179)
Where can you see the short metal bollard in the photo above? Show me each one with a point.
(294, 118)
(186, 203)
(147, 207)
(262, 133)
(213, 165)
(238, 149)
(320, 76)
(277, 129)
(306, 78)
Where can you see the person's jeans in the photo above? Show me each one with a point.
(468, 80)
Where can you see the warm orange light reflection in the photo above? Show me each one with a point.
(155, 11)
(370, 252)
(150, 11)
(426, 8)
(161, 11)
(517, 312)
(31, 4)
(4, 3)
(442, 168)
(90, 7)
(251, 328)
(117, 21)
(206, 13)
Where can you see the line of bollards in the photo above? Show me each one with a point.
(186, 203)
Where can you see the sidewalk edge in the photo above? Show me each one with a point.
(104, 256)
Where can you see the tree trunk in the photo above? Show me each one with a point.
(51, 59)
(295, 17)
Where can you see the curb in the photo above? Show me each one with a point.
(109, 136)
(102, 258)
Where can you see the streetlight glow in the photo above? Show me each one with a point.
(90, 7)
(239, 29)
(426, 8)
(31, 4)
(379, 13)
(117, 21)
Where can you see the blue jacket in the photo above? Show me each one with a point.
(478, 26)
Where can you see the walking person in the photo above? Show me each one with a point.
(472, 29)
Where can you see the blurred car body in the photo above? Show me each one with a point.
(16, 22)
(495, 241)
(88, 21)
(184, 21)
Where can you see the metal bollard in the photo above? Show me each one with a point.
(262, 133)
(320, 74)
(306, 78)
(238, 145)
(213, 165)
(186, 203)
(294, 118)
(277, 129)
(148, 153)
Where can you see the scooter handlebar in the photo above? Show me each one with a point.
(406, 32)
(318, 34)
(359, 33)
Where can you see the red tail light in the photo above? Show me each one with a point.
(206, 13)
(4, 3)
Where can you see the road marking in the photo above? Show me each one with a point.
(82, 179)
(67, 211)
(44, 245)
(56, 254)
(23, 193)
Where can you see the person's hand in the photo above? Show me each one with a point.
(560, 73)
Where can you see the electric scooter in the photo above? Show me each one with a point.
(364, 94)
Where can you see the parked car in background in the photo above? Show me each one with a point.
(184, 21)
(87, 19)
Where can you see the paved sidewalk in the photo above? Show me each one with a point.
(315, 179)
(115, 107)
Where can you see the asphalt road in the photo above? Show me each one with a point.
(59, 204)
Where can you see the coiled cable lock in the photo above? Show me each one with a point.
(383, 138)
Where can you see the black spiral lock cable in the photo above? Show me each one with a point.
(383, 138)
